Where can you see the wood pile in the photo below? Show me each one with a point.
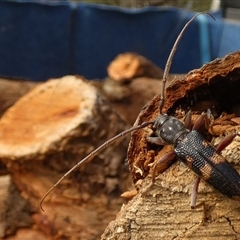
(56, 124)
(43, 135)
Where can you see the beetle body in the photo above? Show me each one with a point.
(199, 155)
(208, 164)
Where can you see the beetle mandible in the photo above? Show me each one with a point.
(189, 146)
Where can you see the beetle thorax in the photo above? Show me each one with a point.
(168, 128)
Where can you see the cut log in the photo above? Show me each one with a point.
(46, 133)
(127, 66)
(11, 90)
(163, 212)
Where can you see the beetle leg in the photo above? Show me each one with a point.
(165, 158)
(200, 121)
(194, 199)
(188, 120)
(194, 192)
(155, 140)
(209, 120)
(225, 142)
(204, 118)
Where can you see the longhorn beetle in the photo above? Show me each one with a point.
(189, 146)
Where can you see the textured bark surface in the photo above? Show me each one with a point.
(42, 136)
(163, 212)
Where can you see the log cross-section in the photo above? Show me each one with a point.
(47, 132)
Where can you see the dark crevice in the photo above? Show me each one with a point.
(221, 92)
(230, 224)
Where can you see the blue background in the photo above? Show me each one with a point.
(45, 40)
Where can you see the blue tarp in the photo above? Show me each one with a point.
(44, 40)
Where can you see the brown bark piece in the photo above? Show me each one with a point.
(46, 133)
(163, 212)
(127, 66)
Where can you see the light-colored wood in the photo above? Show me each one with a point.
(42, 136)
(128, 66)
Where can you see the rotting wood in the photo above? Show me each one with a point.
(43, 135)
(164, 212)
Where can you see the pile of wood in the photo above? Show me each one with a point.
(45, 133)
(52, 127)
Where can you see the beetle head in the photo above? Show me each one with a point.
(168, 128)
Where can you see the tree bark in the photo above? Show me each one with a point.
(163, 211)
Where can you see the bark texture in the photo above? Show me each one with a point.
(163, 211)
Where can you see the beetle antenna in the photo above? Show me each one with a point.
(92, 154)
(170, 58)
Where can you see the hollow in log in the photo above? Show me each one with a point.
(164, 211)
